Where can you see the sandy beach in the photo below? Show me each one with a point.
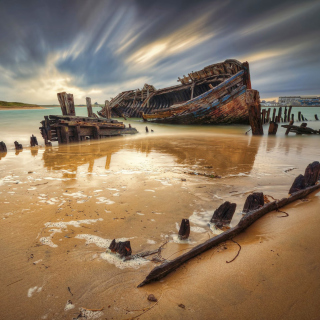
(62, 206)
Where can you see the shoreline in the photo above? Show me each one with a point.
(20, 108)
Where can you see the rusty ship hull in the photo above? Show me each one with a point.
(213, 95)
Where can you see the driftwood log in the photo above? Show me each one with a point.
(223, 215)
(253, 202)
(164, 269)
(3, 147)
(121, 247)
(184, 230)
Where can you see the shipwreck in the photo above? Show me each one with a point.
(68, 127)
(218, 94)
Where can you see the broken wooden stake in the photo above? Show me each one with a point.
(89, 107)
(147, 130)
(299, 116)
(253, 202)
(223, 215)
(312, 173)
(33, 141)
(273, 127)
(299, 183)
(121, 247)
(316, 117)
(3, 147)
(184, 230)
(18, 145)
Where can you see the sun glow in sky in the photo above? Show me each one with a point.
(100, 48)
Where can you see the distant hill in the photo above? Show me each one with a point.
(7, 105)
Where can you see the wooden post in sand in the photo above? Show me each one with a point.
(3, 147)
(223, 215)
(89, 107)
(254, 201)
(184, 230)
(299, 116)
(33, 141)
(316, 117)
(121, 247)
(254, 110)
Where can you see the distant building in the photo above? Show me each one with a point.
(301, 100)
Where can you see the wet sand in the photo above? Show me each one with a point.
(62, 206)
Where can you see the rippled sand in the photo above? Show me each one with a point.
(62, 206)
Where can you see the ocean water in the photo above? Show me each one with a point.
(19, 125)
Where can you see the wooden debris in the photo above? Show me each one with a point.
(184, 230)
(164, 269)
(299, 116)
(223, 215)
(316, 117)
(273, 127)
(147, 130)
(312, 173)
(33, 141)
(253, 202)
(18, 146)
(121, 247)
(70, 128)
(3, 147)
(303, 129)
(141, 255)
(288, 129)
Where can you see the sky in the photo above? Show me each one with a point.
(98, 48)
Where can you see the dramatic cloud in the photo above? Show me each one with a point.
(99, 48)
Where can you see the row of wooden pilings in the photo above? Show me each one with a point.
(287, 116)
(18, 146)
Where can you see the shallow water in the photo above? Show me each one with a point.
(62, 206)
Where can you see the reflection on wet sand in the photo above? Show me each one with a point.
(2, 155)
(222, 154)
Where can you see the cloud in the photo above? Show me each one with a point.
(103, 47)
